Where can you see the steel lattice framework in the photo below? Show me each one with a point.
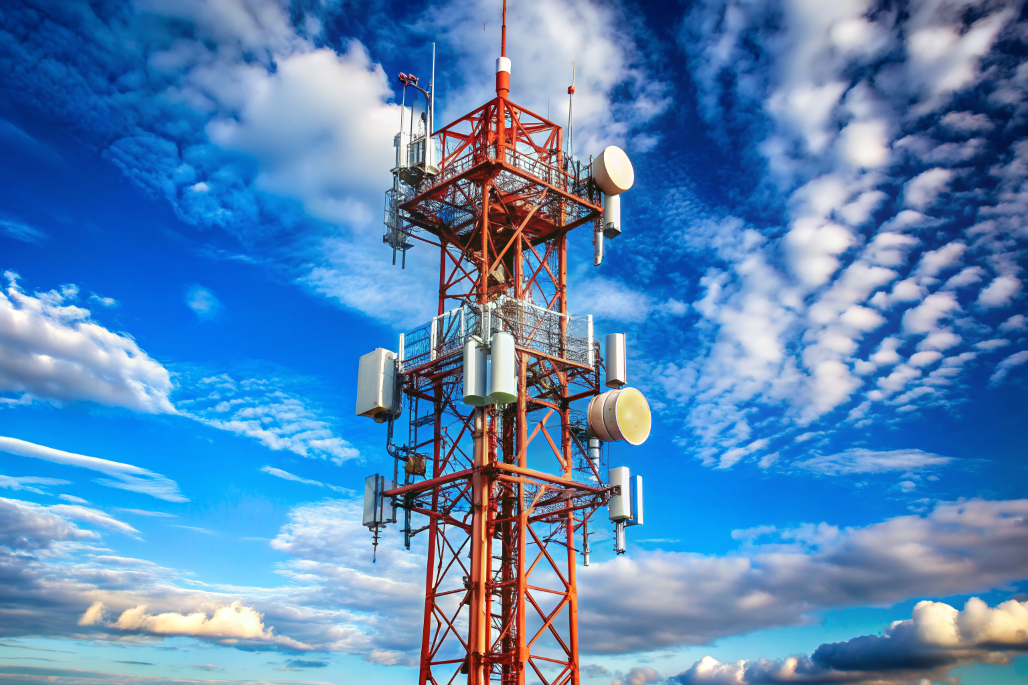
(508, 488)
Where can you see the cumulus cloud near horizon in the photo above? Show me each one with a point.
(666, 599)
(936, 639)
(333, 598)
(232, 621)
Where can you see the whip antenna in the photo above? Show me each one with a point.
(571, 103)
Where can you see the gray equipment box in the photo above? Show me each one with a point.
(378, 509)
(376, 383)
(620, 506)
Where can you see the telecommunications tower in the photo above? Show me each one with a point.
(505, 410)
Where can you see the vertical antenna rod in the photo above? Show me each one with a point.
(571, 103)
(502, 63)
(431, 106)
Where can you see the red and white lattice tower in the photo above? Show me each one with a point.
(505, 490)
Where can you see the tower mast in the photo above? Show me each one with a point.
(507, 473)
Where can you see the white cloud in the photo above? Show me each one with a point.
(93, 615)
(230, 621)
(605, 298)
(814, 246)
(28, 527)
(121, 476)
(924, 358)
(143, 512)
(665, 599)
(359, 274)
(935, 262)
(943, 58)
(17, 229)
(335, 598)
(203, 302)
(317, 125)
(93, 516)
(380, 604)
(51, 349)
(922, 191)
(103, 301)
(285, 475)
(967, 276)
(925, 317)
(866, 143)
(1011, 362)
(939, 340)
(860, 210)
(1018, 322)
(924, 648)
(886, 353)
(639, 675)
(27, 482)
(993, 344)
(732, 456)
(262, 409)
(859, 460)
(1000, 293)
(967, 122)
(753, 533)
(833, 157)
(832, 385)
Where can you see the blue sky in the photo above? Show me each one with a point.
(820, 279)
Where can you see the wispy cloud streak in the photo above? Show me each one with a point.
(121, 476)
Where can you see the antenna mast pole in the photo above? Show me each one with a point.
(571, 109)
(431, 106)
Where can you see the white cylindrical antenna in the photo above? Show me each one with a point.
(598, 245)
(475, 374)
(594, 453)
(617, 374)
(401, 146)
(503, 375)
(611, 216)
(589, 341)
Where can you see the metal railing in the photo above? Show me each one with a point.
(566, 174)
(557, 335)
